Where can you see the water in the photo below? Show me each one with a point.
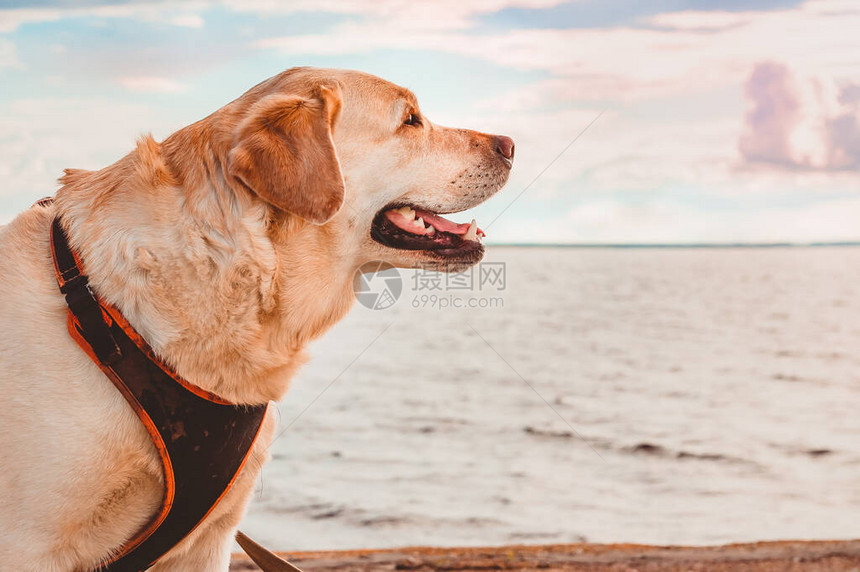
(707, 396)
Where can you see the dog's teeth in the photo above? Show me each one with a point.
(472, 233)
(431, 229)
(419, 223)
(407, 212)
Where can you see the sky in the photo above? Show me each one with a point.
(668, 121)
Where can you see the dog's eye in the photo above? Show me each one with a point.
(412, 119)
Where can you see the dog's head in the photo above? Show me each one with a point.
(266, 209)
(353, 155)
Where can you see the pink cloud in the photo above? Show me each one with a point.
(786, 127)
(774, 115)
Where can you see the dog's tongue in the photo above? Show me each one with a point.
(443, 224)
(407, 219)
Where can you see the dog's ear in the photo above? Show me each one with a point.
(284, 152)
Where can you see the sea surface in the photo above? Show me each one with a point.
(692, 396)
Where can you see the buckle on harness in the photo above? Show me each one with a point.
(69, 276)
(84, 305)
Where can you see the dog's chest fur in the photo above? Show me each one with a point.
(93, 475)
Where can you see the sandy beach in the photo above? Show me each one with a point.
(782, 556)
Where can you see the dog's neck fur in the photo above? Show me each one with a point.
(205, 280)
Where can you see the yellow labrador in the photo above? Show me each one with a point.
(228, 247)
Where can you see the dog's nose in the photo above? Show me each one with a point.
(505, 146)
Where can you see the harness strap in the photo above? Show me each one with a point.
(202, 440)
(80, 299)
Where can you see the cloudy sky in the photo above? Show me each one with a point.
(722, 121)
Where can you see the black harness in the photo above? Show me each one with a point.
(203, 441)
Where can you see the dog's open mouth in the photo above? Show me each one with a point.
(413, 228)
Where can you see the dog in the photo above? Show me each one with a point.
(228, 247)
